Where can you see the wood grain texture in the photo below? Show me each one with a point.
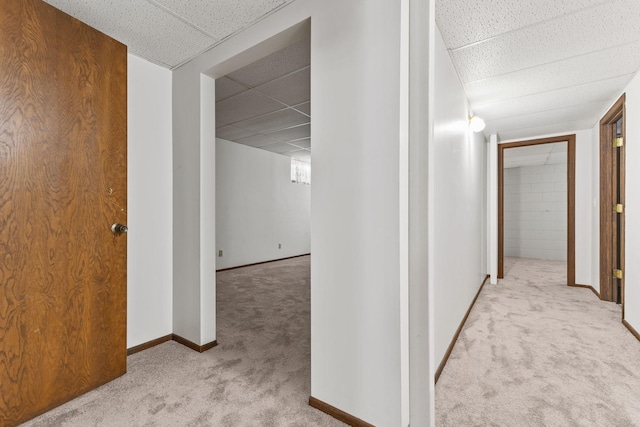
(571, 199)
(500, 211)
(452, 344)
(608, 183)
(62, 184)
(338, 414)
(571, 210)
(622, 199)
(631, 329)
(193, 346)
(149, 344)
(259, 263)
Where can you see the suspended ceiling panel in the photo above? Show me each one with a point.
(549, 116)
(219, 18)
(169, 32)
(541, 66)
(266, 104)
(514, 58)
(536, 155)
(576, 34)
(471, 21)
(548, 129)
(600, 91)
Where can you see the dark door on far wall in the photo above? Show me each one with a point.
(63, 136)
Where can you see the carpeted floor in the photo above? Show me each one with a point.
(258, 375)
(535, 352)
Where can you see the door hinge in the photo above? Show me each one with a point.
(618, 208)
(618, 142)
(617, 274)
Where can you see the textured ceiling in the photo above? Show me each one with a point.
(529, 68)
(537, 67)
(169, 32)
(536, 155)
(267, 103)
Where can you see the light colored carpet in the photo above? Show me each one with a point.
(259, 375)
(535, 352)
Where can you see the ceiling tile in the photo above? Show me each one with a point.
(463, 22)
(543, 129)
(278, 64)
(557, 158)
(232, 133)
(220, 18)
(550, 41)
(602, 91)
(531, 150)
(275, 121)
(560, 115)
(148, 31)
(257, 140)
(530, 159)
(280, 147)
(302, 143)
(226, 87)
(244, 106)
(305, 107)
(291, 89)
(619, 62)
(559, 147)
(296, 132)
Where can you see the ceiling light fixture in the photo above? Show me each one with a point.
(476, 124)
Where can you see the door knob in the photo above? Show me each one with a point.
(119, 228)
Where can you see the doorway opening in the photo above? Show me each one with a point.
(262, 215)
(542, 154)
(612, 199)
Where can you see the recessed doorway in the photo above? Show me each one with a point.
(540, 153)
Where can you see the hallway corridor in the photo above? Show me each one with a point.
(535, 352)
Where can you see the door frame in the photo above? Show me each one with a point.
(607, 164)
(571, 200)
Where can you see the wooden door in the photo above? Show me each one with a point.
(571, 200)
(612, 192)
(62, 184)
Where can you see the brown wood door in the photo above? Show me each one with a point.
(571, 200)
(62, 184)
(612, 191)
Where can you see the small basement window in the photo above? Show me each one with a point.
(300, 171)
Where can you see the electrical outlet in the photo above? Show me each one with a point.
(220, 252)
(279, 245)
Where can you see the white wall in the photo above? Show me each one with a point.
(257, 206)
(149, 245)
(460, 170)
(585, 199)
(632, 208)
(595, 208)
(355, 198)
(587, 187)
(535, 211)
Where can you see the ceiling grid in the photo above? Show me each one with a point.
(538, 67)
(529, 68)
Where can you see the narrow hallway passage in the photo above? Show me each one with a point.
(535, 352)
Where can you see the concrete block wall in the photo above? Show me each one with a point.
(535, 212)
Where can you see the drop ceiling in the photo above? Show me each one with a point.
(529, 68)
(169, 32)
(536, 155)
(539, 67)
(266, 104)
